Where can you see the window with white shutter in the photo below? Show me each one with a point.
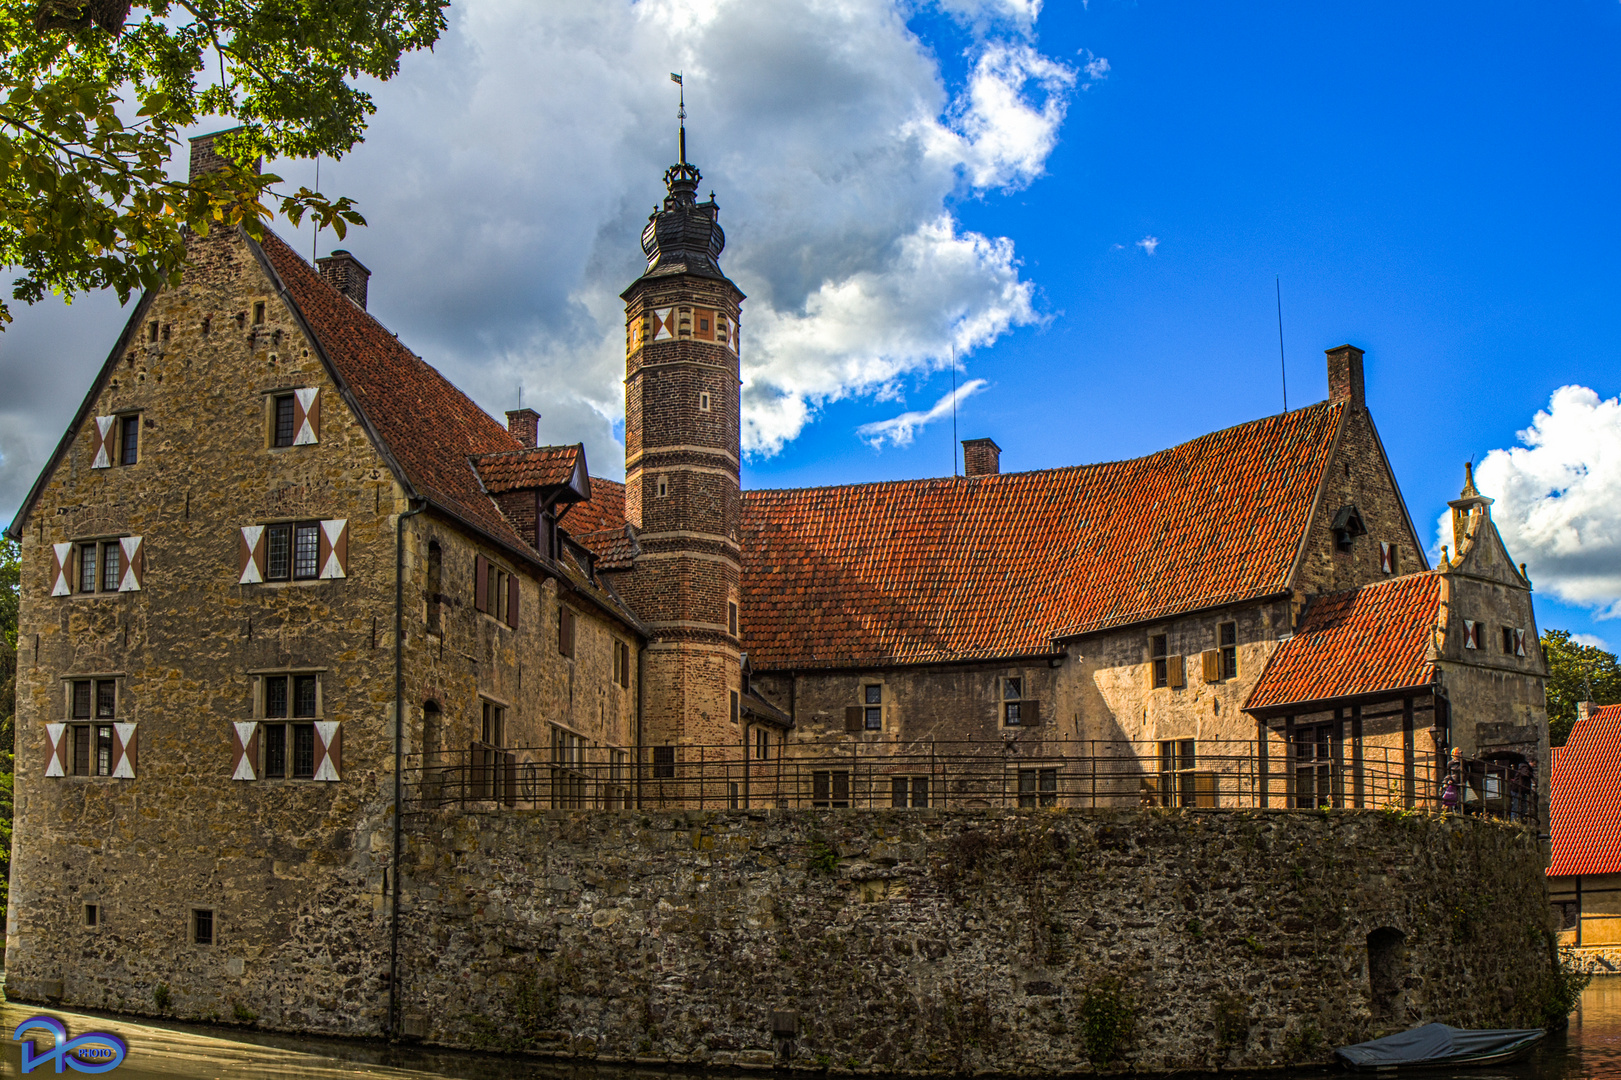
(293, 551)
(292, 740)
(1471, 634)
(98, 566)
(1387, 557)
(95, 740)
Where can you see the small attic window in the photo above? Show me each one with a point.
(1348, 526)
(259, 313)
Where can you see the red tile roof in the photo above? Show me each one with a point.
(1364, 641)
(605, 509)
(432, 430)
(958, 569)
(531, 467)
(429, 427)
(1585, 801)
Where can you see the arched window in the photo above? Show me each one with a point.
(433, 731)
(436, 573)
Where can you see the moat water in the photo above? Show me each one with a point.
(1589, 1050)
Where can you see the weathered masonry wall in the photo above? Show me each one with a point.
(1029, 942)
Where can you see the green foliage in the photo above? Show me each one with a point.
(1576, 673)
(822, 858)
(1231, 1015)
(242, 1014)
(1108, 1017)
(1562, 994)
(92, 100)
(160, 997)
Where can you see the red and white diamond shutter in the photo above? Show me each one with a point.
(332, 554)
(105, 442)
(328, 747)
(1519, 643)
(61, 566)
(124, 751)
(1386, 557)
(250, 555)
(56, 735)
(244, 749)
(1471, 634)
(134, 564)
(663, 324)
(306, 416)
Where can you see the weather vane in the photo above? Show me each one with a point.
(681, 114)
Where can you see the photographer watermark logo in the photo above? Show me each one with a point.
(92, 1052)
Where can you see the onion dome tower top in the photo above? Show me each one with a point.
(684, 235)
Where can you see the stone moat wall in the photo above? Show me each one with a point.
(924, 941)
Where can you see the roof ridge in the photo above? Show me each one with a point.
(1323, 406)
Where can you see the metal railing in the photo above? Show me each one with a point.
(856, 774)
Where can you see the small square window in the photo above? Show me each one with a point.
(663, 487)
(202, 926)
(92, 914)
(703, 401)
(1012, 689)
(258, 313)
(874, 695)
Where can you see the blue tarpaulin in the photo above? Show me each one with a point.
(1437, 1044)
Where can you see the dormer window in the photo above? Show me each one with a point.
(1348, 525)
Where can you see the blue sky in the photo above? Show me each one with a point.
(1083, 206)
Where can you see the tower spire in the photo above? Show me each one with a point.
(681, 114)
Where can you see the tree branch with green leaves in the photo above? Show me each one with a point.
(94, 95)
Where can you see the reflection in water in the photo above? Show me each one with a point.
(1590, 1050)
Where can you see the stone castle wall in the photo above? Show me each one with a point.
(914, 941)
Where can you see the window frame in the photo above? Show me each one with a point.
(1161, 659)
(195, 921)
(127, 423)
(909, 792)
(108, 572)
(1037, 787)
(90, 728)
(287, 731)
(872, 706)
(277, 401)
(294, 532)
(1227, 647)
(1010, 700)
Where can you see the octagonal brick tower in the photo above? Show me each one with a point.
(682, 444)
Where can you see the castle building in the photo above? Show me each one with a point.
(236, 679)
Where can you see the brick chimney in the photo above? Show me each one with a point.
(524, 425)
(1584, 709)
(1345, 374)
(204, 158)
(345, 273)
(981, 457)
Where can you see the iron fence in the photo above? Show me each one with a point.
(857, 774)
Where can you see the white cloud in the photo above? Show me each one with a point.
(1096, 68)
(1592, 641)
(508, 174)
(1558, 499)
(900, 430)
(1148, 244)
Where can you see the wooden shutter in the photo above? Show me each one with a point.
(306, 416)
(1029, 713)
(565, 631)
(61, 567)
(56, 736)
(328, 745)
(124, 751)
(1210, 659)
(1387, 557)
(1519, 643)
(663, 324)
(245, 750)
(1174, 673)
(250, 555)
(481, 584)
(854, 718)
(105, 438)
(133, 568)
(512, 601)
(332, 549)
(1471, 634)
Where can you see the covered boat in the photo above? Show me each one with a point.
(1439, 1044)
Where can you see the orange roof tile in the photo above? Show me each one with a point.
(1585, 800)
(429, 427)
(959, 569)
(604, 510)
(530, 467)
(1363, 641)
